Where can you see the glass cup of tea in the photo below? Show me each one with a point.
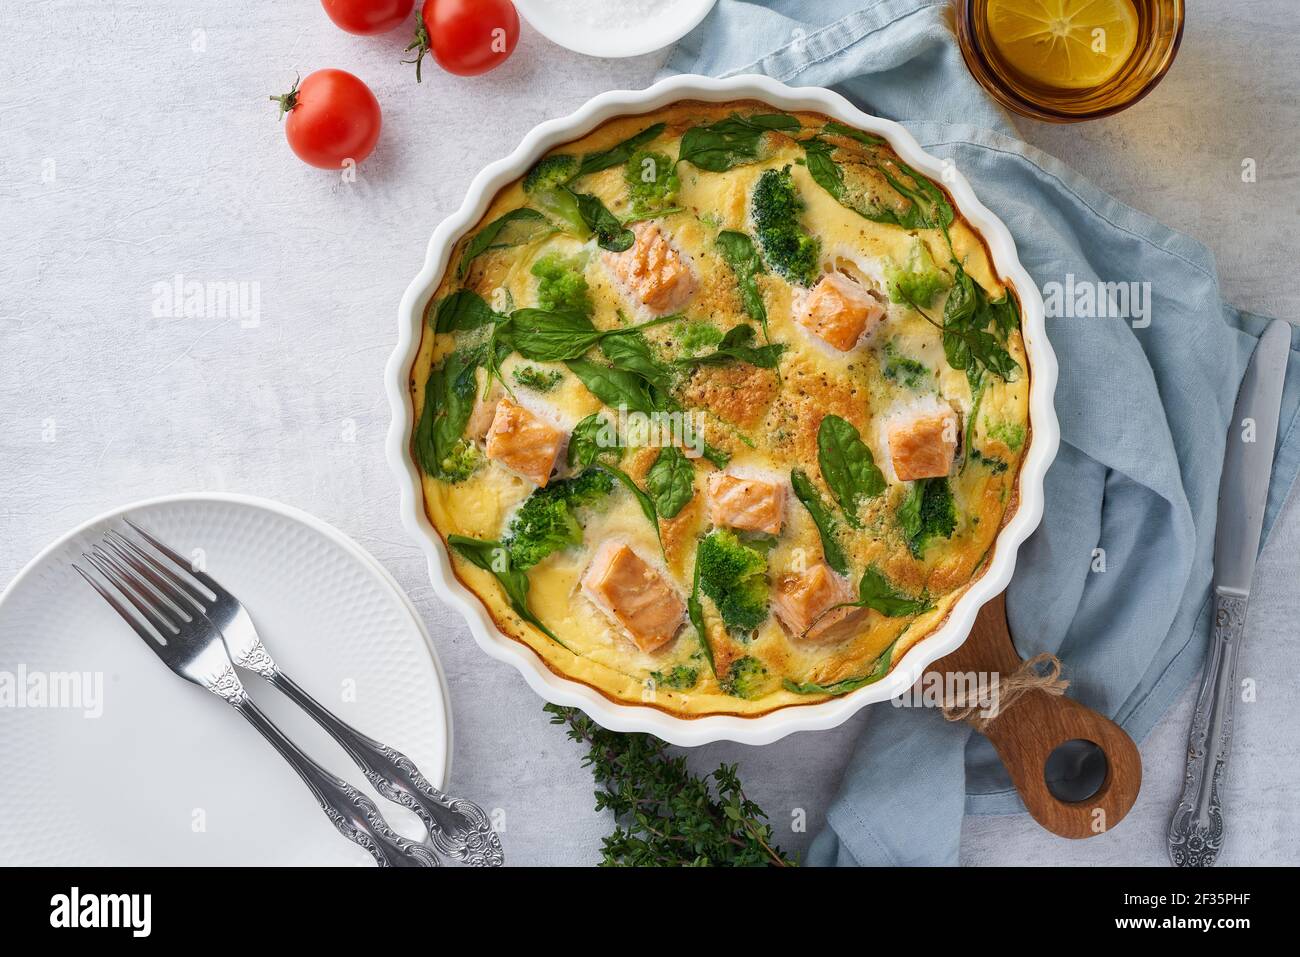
(1069, 60)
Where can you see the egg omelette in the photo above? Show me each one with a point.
(720, 409)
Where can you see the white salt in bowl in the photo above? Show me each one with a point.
(614, 28)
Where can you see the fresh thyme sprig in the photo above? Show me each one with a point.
(665, 815)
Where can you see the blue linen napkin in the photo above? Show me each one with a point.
(1144, 407)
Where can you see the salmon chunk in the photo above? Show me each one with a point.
(524, 442)
(746, 503)
(922, 441)
(652, 271)
(801, 603)
(634, 594)
(840, 311)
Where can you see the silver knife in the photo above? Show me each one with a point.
(1196, 829)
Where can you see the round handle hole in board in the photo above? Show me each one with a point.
(1075, 770)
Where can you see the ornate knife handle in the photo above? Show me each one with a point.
(354, 814)
(1196, 829)
(459, 829)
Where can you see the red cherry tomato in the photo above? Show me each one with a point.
(368, 17)
(468, 37)
(333, 117)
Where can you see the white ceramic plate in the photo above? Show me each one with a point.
(769, 727)
(168, 774)
(602, 34)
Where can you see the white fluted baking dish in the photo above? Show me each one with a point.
(771, 726)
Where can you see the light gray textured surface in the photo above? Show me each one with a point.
(136, 144)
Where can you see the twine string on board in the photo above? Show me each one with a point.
(981, 710)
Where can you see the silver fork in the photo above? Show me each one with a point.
(458, 829)
(192, 647)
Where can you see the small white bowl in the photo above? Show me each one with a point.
(560, 23)
(769, 727)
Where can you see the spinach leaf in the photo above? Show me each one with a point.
(556, 335)
(671, 481)
(616, 388)
(928, 206)
(875, 592)
(826, 172)
(630, 389)
(610, 232)
(591, 438)
(1006, 316)
(735, 346)
(495, 558)
(742, 256)
(806, 492)
(967, 316)
(717, 456)
(620, 153)
(844, 686)
(836, 128)
(545, 335)
(733, 141)
(631, 353)
(462, 311)
(849, 469)
(514, 228)
(449, 397)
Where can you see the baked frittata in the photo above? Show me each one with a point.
(720, 409)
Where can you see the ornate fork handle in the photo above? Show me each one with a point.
(354, 814)
(458, 828)
(1196, 829)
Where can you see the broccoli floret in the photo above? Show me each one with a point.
(550, 171)
(918, 280)
(651, 181)
(697, 335)
(734, 575)
(539, 380)
(545, 186)
(543, 525)
(461, 462)
(1010, 434)
(588, 488)
(561, 284)
(546, 522)
(681, 678)
(787, 248)
(745, 678)
(904, 369)
(927, 512)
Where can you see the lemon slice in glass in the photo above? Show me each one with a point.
(1071, 44)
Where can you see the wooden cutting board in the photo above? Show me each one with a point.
(1036, 724)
